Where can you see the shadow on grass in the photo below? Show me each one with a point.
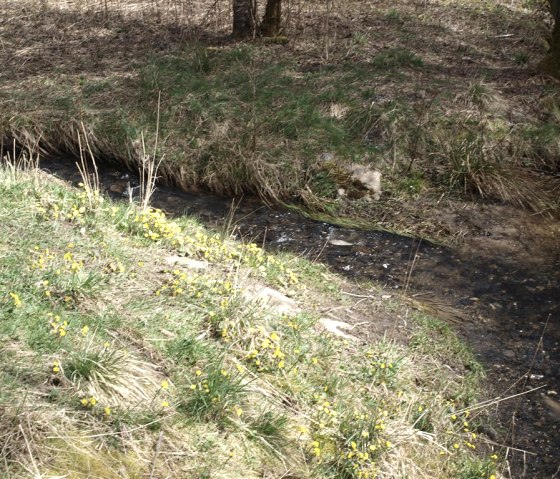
(254, 117)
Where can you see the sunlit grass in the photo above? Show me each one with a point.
(128, 351)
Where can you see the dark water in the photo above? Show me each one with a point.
(509, 308)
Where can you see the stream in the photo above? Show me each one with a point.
(505, 291)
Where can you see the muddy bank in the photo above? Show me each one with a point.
(500, 289)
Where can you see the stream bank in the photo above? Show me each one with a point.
(499, 288)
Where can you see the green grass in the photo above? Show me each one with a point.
(145, 358)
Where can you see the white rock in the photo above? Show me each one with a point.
(335, 327)
(272, 299)
(337, 242)
(187, 262)
(367, 178)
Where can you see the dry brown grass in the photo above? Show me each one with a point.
(474, 58)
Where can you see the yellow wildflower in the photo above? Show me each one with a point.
(15, 298)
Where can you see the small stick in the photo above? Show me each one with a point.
(156, 454)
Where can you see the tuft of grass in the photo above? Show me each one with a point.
(269, 429)
(395, 58)
(188, 349)
(476, 469)
(215, 394)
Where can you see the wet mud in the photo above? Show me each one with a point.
(503, 282)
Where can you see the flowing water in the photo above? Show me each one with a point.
(506, 298)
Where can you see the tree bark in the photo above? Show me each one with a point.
(551, 63)
(244, 23)
(272, 20)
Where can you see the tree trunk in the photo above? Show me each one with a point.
(551, 63)
(244, 24)
(272, 20)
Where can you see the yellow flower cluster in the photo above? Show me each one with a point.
(58, 327)
(211, 247)
(45, 259)
(42, 258)
(268, 265)
(75, 214)
(87, 201)
(361, 451)
(164, 389)
(380, 368)
(325, 415)
(50, 210)
(71, 263)
(265, 352)
(155, 226)
(91, 402)
(200, 383)
(196, 287)
(88, 402)
(351, 442)
(16, 300)
(175, 285)
(462, 428)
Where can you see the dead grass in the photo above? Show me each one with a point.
(253, 118)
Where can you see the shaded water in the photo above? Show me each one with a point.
(504, 301)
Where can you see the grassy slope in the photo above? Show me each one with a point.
(117, 365)
(440, 98)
